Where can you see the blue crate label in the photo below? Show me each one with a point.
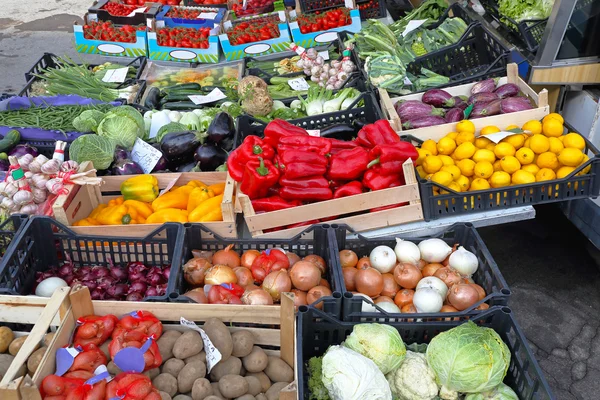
(111, 48)
(137, 11)
(131, 359)
(298, 84)
(116, 75)
(326, 37)
(257, 48)
(412, 25)
(215, 95)
(213, 355)
(145, 155)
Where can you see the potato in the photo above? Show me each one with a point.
(246, 397)
(254, 385)
(34, 359)
(216, 391)
(243, 341)
(256, 361)
(164, 396)
(5, 361)
(265, 382)
(187, 345)
(47, 339)
(173, 366)
(182, 397)
(166, 342)
(104, 349)
(219, 336)
(243, 371)
(16, 345)
(198, 357)
(261, 396)
(233, 386)
(112, 368)
(188, 374)
(231, 366)
(166, 383)
(152, 373)
(213, 397)
(6, 336)
(201, 389)
(279, 371)
(273, 392)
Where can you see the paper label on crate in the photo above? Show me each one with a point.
(412, 25)
(407, 81)
(314, 132)
(207, 15)
(213, 96)
(298, 84)
(324, 54)
(213, 356)
(137, 11)
(145, 155)
(349, 3)
(498, 136)
(117, 75)
(158, 120)
(170, 185)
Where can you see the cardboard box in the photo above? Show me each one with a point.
(97, 12)
(313, 39)
(184, 54)
(113, 49)
(162, 20)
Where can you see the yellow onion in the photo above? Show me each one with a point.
(194, 271)
(277, 282)
(257, 297)
(220, 274)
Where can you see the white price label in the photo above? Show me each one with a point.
(213, 96)
(137, 11)
(498, 136)
(298, 84)
(324, 54)
(213, 355)
(207, 15)
(170, 185)
(145, 155)
(412, 25)
(407, 81)
(158, 120)
(314, 132)
(349, 3)
(116, 75)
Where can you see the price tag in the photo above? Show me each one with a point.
(314, 132)
(349, 3)
(298, 84)
(145, 155)
(213, 96)
(116, 75)
(207, 15)
(137, 11)
(213, 355)
(498, 136)
(170, 185)
(412, 25)
(407, 81)
(158, 120)
(324, 54)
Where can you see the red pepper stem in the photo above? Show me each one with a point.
(262, 170)
(256, 149)
(374, 162)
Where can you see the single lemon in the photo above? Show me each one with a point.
(564, 172)
(446, 160)
(446, 146)
(552, 128)
(466, 167)
(432, 164)
(483, 169)
(504, 149)
(533, 126)
(430, 146)
(570, 157)
(422, 154)
(521, 177)
(556, 146)
(499, 179)
(547, 160)
(574, 140)
(491, 146)
(465, 150)
(545, 174)
(517, 141)
(465, 126)
(513, 126)
(556, 116)
(532, 168)
(527, 141)
(525, 155)
(497, 165)
(421, 171)
(464, 137)
(479, 184)
(442, 177)
(510, 164)
(453, 169)
(463, 182)
(428, 177)
(586, 169)
(539, 144)
(489, 129)
(452, 135)
(455, 186)
(481, 142)
(562, 138)
(484, 155)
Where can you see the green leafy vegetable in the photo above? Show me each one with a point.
(386, 71)
(520, 10)
(88, 121)
(380, 343)
(315, 379)
(168, 128)
(94, 148)
(500, 392)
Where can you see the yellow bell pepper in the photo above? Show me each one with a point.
(116, 201)
(168, 215)
(197, 196)
(205, 208)
(174, 199)
(197, 184)
(86, 222)
(144, 210)
(115, 215)
(141, 187)
(97, 211)
(218, 188)
(214, 215)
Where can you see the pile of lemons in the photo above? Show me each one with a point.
(463, 162)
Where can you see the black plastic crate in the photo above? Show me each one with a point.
(311, 6)
(371, 9)
(528, 32)
(44, 243)
(9, 231)
(487, 275)
(313, 240)
(316, 332)
(453, 203)
(369, 113)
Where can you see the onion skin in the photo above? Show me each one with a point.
(244, 276)
(407, 275)
(203, 254)
(482, 306)
(350, 278)
(462, 296)
(404, 297)
(480, 290)
(293, 258)
(421, 264)
(324, 282)
(363, 263)
(383, 299)
(315, 294)
(408, 309)
(277, 282)
(219, 274)
(449, 277)
(227, 256)
(390, 287)
(318, 261)
(369, 281)
(251, 287)
(299, 298)
(197, 295)
(248, 258)
(194, 271)
(348, 259)
(449, 309)
(305, 275)
(430, 269)
(257, 297)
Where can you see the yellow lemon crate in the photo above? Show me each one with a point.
(438, 131)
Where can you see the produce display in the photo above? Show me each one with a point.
(252, 7)
(184, 37)
(10, 344)
(160, 76)
(323, 21)
(118, 9)
(62, 118)
(254, 31)
(106, 30)
(519, 10)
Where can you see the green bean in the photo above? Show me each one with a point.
(56, 118)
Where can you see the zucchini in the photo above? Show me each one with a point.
(181, 96)
(10, 140)
(182, 86)
(182, 105)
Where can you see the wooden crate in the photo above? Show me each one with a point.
(274, 327)
(346, 205)
(79, 202)
(41, 312)
(502, 120)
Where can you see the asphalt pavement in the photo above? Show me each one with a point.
(554, 280)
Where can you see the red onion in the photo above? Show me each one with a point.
(151, 292)
(162, 289)
(134, 296)
(154, 276)
(138, 287)
(65, 270)
(90, 284)
(83, 270)
(118, 273)
(105, 282)
(97, 294)
(69, 279)
(135, 267)
(87, 277)
(166, 272)
(117, 291)
(99, 272)
(137, 277)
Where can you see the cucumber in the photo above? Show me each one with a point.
(182, 86)
(10, 140)
(181, 96)
(182, 105)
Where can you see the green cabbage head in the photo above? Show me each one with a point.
(500, 392)
(123, 125)
(380, 343)
(88, 121)
(468, 358)
(94, 148)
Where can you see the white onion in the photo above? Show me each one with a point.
(464, 262)
(434, 250)
(383, 259)
(388, 307)
(407, 251)
(433, 283)
(428, 300)
(47, 287)
(367, 304)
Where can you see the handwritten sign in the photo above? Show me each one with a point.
(213, 355)
(213, 96)
(298, 84)
(116, 75)
(145, 155)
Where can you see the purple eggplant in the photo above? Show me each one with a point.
(436, 97)
(514, 104)
(4, 164)
(455, 114)
(507, 90)
(457, 102)
(413, 109)
(482, 98)
(126, 167)
(22, 149)
(161, 165)
(486, 86)
(209, 157)
(423, 122)
(121, 154)
(486, 109)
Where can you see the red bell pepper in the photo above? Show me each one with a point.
(362, 139)
(386, 133)
(300, 163)
(348, 164)
(259, 176)
(306, 194)
(94, 329)
(273, 203)
(235, 166)
(302, 183)
(339, 145)
(303, 170)
(317, 145)
(388, 158)
(375, 181)
(265, 263)
(253, 147)
(279, 128)
(131, 386)
(301, 156)
(349, 189)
